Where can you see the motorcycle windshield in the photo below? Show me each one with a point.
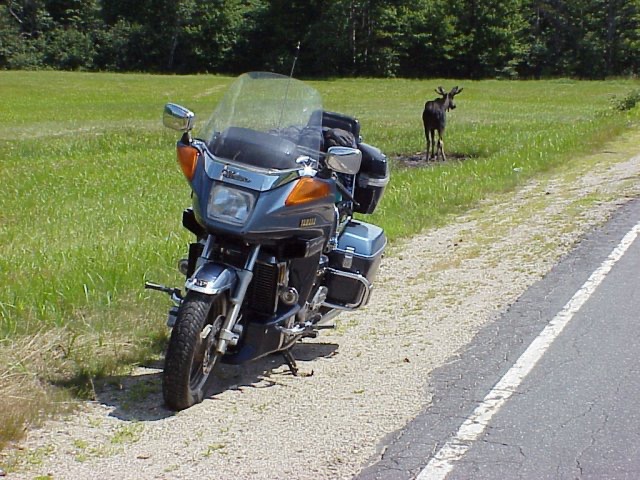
(266, 120)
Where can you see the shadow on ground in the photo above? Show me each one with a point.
(138, 396)
(418, 160)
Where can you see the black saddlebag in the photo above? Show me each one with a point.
(371, 180)
(354, 264)
(374, 171)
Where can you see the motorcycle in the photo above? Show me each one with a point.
(277, 252)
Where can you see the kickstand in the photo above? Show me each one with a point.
(291, 362)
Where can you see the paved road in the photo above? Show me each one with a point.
(569, 408)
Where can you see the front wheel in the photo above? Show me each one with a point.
(191, 353)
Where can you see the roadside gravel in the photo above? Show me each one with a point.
(358, 383)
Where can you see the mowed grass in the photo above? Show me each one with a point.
(91, 198)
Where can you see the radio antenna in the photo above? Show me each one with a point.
(295, 59)
(286, 92)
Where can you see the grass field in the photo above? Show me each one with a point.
(91, 198)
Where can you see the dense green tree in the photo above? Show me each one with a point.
(178, 35)
(56, 33)
(69, 49)
(488, 37)
(426, 46)
(211, 35)
(585, 38)
(380, 30)
(117, 48)
(10, 36)
(369, 37)
(279, 26)
(152, 27)
(32, 17)
(71, 43)
(465, 38)
(22, 42)
(82, 15)
(606, 29)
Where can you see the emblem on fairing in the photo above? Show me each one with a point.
(308, 222)
(232, 174)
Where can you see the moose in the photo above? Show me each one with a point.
(434, 119)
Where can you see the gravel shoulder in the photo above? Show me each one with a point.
(360, 382)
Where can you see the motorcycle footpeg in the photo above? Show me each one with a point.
(325, 327)
(295, 330)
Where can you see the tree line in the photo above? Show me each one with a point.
(385, 38)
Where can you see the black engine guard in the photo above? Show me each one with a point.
(260, 338)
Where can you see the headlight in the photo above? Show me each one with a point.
(230, 205)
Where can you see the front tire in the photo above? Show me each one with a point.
(191, 354)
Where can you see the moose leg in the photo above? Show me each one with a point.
(441, 145)
(441, 149)
(432, 145)
(426, 153)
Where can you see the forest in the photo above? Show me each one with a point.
(474, 39)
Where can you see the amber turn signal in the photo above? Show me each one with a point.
(307, 190)
(188, 159)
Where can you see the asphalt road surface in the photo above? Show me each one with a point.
(551, 389)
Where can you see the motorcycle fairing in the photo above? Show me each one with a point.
(271, 221)
(253, 178)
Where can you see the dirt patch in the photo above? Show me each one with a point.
(417, 160)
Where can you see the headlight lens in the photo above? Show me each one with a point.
(230, 205)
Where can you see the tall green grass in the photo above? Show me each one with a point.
(91, 197)
(505, 131)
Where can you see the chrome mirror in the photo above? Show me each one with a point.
(344, 159)
(178, 118)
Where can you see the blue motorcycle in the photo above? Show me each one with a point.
(277, 253)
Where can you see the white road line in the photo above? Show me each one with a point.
(452, 451)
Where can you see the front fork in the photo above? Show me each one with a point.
(227, 333)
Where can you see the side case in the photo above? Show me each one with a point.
(374, 172)
(353, 265)
(371, 180)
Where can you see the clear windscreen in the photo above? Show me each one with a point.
(266, 120)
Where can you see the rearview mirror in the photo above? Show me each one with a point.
(178, 118)
(344, 159)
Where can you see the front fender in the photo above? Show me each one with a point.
(212, 278)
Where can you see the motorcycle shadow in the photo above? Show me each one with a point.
(138, 396)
